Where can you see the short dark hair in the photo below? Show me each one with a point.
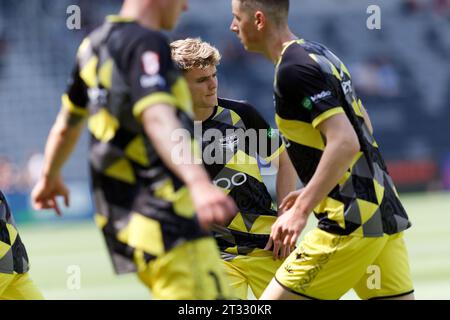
(278, 10)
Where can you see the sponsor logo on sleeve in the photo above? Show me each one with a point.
(321, 96)
(152, 81)
(347, 86)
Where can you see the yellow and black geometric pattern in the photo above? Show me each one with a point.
(142, 208)
(237, 172)
(311, 85)
(13, 256)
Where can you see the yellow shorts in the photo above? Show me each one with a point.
(190, 271)
(18, 287)
(254, 271)
(326, 266)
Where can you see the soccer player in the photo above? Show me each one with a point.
(225, 124)
(15, 283)
(359, 239)
(154, 214)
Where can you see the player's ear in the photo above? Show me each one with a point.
(260, 20)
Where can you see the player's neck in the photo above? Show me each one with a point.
(146, 18)
(276, 41)
(202, 114)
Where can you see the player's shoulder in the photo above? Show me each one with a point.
(122, 38)
(295, 53)
(301, 51)
(299, 62)
(251, 117)
(129, 41)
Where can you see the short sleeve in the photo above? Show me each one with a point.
(312, 91)
(75, 99)
(151, 73)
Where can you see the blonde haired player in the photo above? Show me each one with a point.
(249, 257)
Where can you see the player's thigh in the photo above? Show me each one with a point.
(276, 291)
(326, 266)
(190, 271)
(389, 276)
(21, 287)
(236, 277)
(260, 271)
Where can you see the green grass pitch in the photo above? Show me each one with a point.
(53, 248)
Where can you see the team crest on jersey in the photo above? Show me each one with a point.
(229, 142)
(150, 62)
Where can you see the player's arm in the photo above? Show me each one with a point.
(61, 141)
(341, 148)
(342, 145)
(160, 122)
(60, 144)
(286, 179)
(286, 183)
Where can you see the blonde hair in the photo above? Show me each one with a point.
(194, 53)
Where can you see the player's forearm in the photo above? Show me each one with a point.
(286, 178)
(160, 123)
(336, 159)
(61, 141)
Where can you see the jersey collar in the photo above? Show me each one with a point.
(119, 19)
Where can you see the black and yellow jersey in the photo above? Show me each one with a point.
(143, 209)
(311, 85)
(13, 256)
(235, 140)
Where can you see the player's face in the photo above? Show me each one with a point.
(171, 11)
(203, 86)
(244, 26)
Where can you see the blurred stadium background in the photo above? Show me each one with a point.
(401, 72)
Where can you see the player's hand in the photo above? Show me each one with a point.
(289, 200)
(279, 250)
(212, 205)
(287, 228)
(45, 192)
